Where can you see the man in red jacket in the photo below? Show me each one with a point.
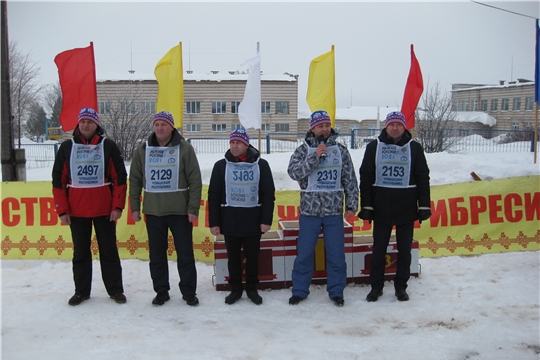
(89, 188)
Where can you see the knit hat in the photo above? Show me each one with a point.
(239, 135)
(395, 117)
(89, 114)
(164, 116)
(317, 118)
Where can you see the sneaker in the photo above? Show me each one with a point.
(161, 298)
(191, 300)
(119, 298)
(294, 300)
(402, 295)
(338, 300)
(374, 295)
(77, 299)
(233, 297)
(254, 296)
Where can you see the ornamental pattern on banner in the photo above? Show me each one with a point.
(468, 218)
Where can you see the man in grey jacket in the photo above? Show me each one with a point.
(325, 172)
(168, 170)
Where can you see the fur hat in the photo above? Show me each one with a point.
(240, 135)
(89, 114)
(395, 117)
(319, 117)
(164, 116)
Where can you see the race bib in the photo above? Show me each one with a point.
(393, 165)
(242, 184)
(87, 166)
(327, 175)
(161, 168)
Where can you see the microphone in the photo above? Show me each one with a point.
(322, 141)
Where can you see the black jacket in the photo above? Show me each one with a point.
(238, 221)
(395, 205)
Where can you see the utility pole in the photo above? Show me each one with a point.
(6, 127)
(13, 160)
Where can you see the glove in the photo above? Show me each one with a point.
(366, 214)
(423, 215)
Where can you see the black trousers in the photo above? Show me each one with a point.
(252, 246)
(182, 232)
(381, 238)
(111, 269)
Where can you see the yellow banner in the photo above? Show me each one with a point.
(468, 218)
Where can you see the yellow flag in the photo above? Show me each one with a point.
(169, 75)
(321, 93)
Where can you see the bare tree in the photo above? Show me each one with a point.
(127, 118)
(52, 101)
(25, 89)
(434, 126)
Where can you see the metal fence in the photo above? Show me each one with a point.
(461, 140)
(39, 155)
(479, 141)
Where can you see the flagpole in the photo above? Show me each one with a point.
(182, 84)
(535, 136)
(259, 146)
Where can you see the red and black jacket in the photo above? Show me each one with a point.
(89, 202)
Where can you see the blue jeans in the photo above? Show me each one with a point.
(334, 246)
(182, 232)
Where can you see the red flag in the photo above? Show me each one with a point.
(77, 74)
(413, 91)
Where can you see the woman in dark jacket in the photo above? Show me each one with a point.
(241, 207)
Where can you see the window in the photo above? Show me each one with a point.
(515, 126)
(265, 107)
(104, 107)
(219, 127)
(527, 124)
(505, 104)
(464, 131)
(494, 104)
(193, 127)
(236, 126)
(234, 107)
(529, 103)
(517, 104)
(282, 127)
(265, 127)
(475, 105)
(219, 107)
(338, 128)
(128, 108)
(193, 107)
(282, 107)
(466, 106)
(484, 105)
(458, 105)
(148, 107)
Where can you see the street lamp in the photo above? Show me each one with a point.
(47, 122)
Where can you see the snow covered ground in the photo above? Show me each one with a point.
(475, 307)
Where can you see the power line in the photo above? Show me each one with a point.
(498, 8)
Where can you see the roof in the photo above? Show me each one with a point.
(481, 87)
(475, 116)
(212, 76)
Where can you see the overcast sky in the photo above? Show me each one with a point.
(455, 42)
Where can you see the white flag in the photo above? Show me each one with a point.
(249, 110)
